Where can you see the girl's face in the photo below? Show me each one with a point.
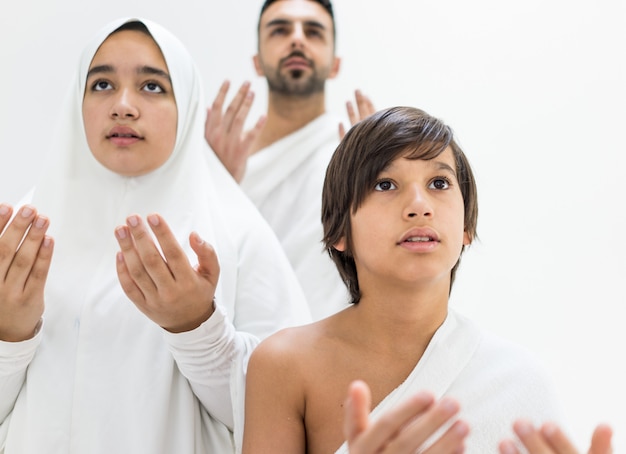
(129, 109)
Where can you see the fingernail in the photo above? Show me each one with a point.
(197, 238)
(27, 211)
(462, 428)
(153, 219)
(523, 428)
(133, 221)
(4, 210)
(450, 406)
(40, 222)
(47, 241)
(549, 429)
(120, 232)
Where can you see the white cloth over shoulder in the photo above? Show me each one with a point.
(494, 380)
(285, 180)
(100, 377)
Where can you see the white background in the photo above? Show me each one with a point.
(536, 93)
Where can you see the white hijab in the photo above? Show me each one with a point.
(85, 201)
(193, 192)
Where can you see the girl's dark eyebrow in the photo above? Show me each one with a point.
(154, 71)
(100, 70)
(104, 69)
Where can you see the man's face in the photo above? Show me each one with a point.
(296, 47)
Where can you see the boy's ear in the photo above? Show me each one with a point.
(467, 240)
(341, 244)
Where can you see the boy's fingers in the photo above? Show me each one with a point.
(357, 409)
(557, 439)
(530, 437)
(601, 440)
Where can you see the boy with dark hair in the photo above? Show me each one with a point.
(399, 206)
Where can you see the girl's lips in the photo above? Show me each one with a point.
(123, 132)
(123, 136)
(124, 141)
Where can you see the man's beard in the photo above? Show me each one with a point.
(295, 82)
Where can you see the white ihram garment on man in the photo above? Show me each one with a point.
(285, 180)
(494, 380)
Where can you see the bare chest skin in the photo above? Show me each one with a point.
(330, 372)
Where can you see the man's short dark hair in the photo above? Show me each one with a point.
(326, 4)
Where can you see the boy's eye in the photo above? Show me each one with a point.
(440, 183)
(384, 185)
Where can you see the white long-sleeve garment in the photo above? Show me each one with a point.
(494, 380)
(285, 180)
(100, 377)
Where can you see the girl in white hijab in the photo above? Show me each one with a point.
(128, 182)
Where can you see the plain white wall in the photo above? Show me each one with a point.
(536, 93)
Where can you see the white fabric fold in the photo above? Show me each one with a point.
(285, 180)
(494, 380)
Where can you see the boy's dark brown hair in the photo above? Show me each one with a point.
(365, 151)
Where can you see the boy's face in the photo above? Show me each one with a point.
(410, 228)
(296, 47)
(129, 109)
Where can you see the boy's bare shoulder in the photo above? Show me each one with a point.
(291, 347)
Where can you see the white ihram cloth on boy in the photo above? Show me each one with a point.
(100, 377)
(494, 380)
(285, 180)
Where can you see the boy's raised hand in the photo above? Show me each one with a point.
(224, 131)
(166, 288)
(25, 257)
(550, 439)
(403, 429)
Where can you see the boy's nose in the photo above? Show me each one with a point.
(418, 203)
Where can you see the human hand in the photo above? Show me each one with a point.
(365, 108)
(224, 130)
(25, 257)
(550, 439)
(166, 288)
(403, 429)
